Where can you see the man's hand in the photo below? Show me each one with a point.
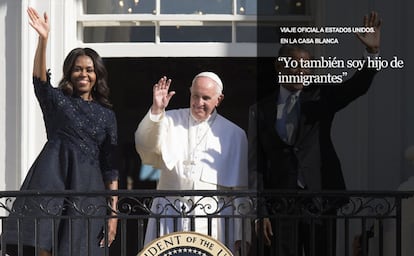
(371, 40)
(237, 247)
(267, 230)
(161, 97)
(356, 246)
(112, 225)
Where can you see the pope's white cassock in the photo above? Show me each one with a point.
(192, 155)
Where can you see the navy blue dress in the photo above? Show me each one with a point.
(78, 156)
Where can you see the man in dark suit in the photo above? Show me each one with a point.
(291, 148)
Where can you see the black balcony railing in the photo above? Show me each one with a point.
(371, 217)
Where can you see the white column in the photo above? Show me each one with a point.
(32, 128)
(9, 93)
(62, 38)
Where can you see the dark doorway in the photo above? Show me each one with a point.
(131, 81)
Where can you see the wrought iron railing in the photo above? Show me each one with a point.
(356, 215)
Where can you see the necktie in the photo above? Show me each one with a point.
(287, 124)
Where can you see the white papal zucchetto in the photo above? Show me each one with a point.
(212, 76)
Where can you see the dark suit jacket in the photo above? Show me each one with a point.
(276, 163)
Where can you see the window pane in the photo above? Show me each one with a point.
(119, 6)
(118, 34)
(268, 34)
(281, 7)
(196, 6)
(247, 7)
(196, 34)
(246, 34)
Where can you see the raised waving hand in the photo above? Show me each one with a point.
(371, 40)
(161, 95)
(40, 24)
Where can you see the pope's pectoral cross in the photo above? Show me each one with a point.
(187, 163)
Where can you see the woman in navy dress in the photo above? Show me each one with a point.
(78, 156)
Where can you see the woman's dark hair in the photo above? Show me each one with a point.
(100, 91)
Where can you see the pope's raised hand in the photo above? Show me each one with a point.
(40, 24)
(161, 96)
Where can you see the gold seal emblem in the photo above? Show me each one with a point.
(185, 244)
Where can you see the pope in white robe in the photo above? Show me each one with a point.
(195, 149)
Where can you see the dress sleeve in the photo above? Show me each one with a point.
(45, 93)
(109, 151)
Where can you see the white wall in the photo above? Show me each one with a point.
(9, 93)
(372, 133)
(22, 133)
(33, 135)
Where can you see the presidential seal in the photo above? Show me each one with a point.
(185, 244)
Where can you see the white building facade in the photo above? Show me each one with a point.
(173, 28)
